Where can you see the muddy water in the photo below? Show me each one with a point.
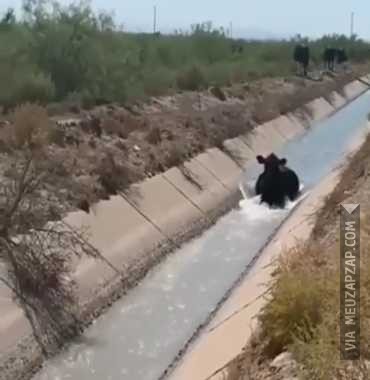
(142, 333)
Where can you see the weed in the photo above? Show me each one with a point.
(218, 93)
(175, 155)
(31, 125)
(114, 127)
(154, 136)
(191, 79)
(113, 177)
(295, 307)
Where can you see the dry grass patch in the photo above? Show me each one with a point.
(175, 155)
(298, 294)
(301, 316)
(114, 177)
(31, 125)
(154, 136)
(114, 127)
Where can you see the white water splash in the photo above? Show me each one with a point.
(255, 211)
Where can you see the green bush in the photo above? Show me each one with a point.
(36, 88)
(157, 82)
(191, 79)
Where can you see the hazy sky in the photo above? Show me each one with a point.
(280, 17)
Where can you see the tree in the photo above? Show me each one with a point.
(38, 254)
(8, 18)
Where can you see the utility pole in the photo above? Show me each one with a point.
(155, 19)
(352, 24)
(231, 29)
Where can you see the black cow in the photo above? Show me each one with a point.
(329, 58)
(237, 47)
(277, 182)
(341, 56)
(302, 57)
(332, 56)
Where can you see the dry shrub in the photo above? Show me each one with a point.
(92, 126)
(302, 314)
(298, 295)
(319, 353)
(114, 177)
(31, 125)
(130, 122)
(114, 127)
(217, 136)
(191, 79)
(6, 139)
(266, 109)
(58, 136)
(218, 93)
(120, 145)
(4, 147)
(47, 274)
(175, 155)
(154, 136)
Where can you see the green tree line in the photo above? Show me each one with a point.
(54, 53)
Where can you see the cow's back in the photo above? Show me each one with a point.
(291, 183)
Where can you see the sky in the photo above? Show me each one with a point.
(280, 18)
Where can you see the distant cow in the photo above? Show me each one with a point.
(333, 56)
(329, 58)
(237, 47)
(341, 56)
(277, 182)
(302, 57)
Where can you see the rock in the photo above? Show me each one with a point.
(136, 148)
(367, 364)
(44, 194)
(281, 360)
(4, 123)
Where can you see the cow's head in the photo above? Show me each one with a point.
(272, 162)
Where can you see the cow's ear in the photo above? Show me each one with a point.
(283, 161)
(261, 159)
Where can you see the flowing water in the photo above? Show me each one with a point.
(140, 335)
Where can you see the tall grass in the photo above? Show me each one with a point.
(302, 315)
(54, 52)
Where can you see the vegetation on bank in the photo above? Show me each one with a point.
(303, 314)
(69, 53)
